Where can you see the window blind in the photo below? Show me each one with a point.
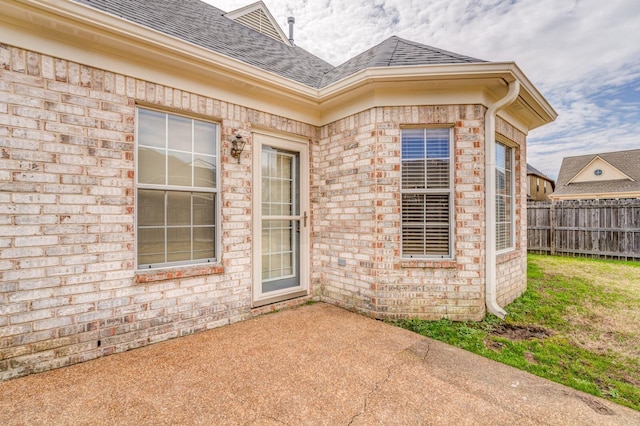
(426, 192)
(504, 197)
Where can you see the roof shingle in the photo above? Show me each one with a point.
(628, 162)
(206, 26)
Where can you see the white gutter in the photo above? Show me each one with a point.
(490, 197)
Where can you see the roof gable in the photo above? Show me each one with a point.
(620, 175)
(257, 17)
(598, 170)
(626, 162)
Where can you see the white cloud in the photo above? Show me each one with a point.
(583, 55)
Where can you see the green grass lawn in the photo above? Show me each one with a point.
(578, 324)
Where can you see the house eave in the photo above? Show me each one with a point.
(91, 37)
(539, 110)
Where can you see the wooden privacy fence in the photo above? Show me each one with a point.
(591, 228)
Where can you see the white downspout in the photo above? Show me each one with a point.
(490, 197)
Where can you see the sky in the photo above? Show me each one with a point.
(582, 55)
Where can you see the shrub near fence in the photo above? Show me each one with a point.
(591, 228)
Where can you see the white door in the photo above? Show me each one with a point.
(281, 221)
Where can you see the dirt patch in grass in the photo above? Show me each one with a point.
(530, 358)
(493, 345)
(602, 330)
(520, 332)
(608, 318)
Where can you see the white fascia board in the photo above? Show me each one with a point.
(508, 71)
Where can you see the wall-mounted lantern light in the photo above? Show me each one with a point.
(237, 146)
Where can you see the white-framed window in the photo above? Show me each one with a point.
(427, 193)
(176, 189)
(505, 204)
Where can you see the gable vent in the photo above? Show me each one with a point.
(258, 21)
(257, 17)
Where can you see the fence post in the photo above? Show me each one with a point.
(552, 228)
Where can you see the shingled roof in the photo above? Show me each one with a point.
(394, 52)
(535, 172)
(627, 162)
(206, 26)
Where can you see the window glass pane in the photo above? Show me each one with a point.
(413, 159)
(204, 171)
(151, 166)
(204, 209)
(179, 168)
(277, 189)
(151, 128)
(426, 186)
(205, 138)
(150, 246)
(425, 224)
(437, 141)
(438, 173)
(175, 226)
(284, 166)
(178, 208)
(501, 209)
(178, 244)
(266, 266)
(501, 182)
(203, 240)
(500, 155)
(180, 133)
(425, 158)
(150, 207)
(504, 197)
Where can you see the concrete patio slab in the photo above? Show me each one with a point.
(314, 364)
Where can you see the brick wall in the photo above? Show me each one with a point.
(357, 233)
(511, 271)
(68, 289)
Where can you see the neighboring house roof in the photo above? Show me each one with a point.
(575, 177)
(209, 27)
(535, 172)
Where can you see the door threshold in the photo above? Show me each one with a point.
(280, 298)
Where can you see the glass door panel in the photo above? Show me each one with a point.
(280, 219)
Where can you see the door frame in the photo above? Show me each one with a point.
(294, 144)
